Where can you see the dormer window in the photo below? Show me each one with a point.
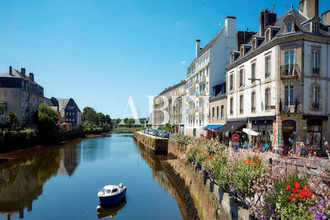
(289, 26)
(267, 35)
(242, 51)
(314, 27)
(232, 58)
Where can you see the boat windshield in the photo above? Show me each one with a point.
(114, 190)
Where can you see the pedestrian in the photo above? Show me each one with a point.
(326, 144)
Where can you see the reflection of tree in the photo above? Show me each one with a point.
(22, 180)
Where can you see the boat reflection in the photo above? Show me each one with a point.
(111, 210)
(22, 179)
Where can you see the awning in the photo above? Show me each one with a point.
(212, 127)
(232, 126)
(250, 132)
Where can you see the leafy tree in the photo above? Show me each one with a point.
(89, 115)
(12, 119)
(47, 118)
(101, 118)
(108, 120)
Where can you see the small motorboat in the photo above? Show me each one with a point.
(111, 194)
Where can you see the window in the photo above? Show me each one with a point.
(222, 111)
(212, 113)
(231, 80)
(289, 26)
(314, 27)
(267, 35)
(289, 100)
(241, 77)
(315, 104)
(217, 112)
(253, 102)
(241, 104)
(242, 51)
(289, 58)
(253, 73)
(231, 106)
(267, 67)
(315, 62)
(267, 99)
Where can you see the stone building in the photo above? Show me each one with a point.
(206, 71)
(281, 77)
(19, 93)
(168, 107)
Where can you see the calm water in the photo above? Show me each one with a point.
(62, 182)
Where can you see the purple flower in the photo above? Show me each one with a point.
(312, 209)
(320, 203)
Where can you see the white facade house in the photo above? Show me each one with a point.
(206, 71)
(281, 77)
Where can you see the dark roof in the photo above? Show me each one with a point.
(173, 87)
(17, 74)
(232, 126)
(208, 45)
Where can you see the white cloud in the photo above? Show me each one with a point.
(183, 62)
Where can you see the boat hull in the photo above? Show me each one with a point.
(108, 200)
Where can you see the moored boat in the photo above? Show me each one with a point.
(111, 194)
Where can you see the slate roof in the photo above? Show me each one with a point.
(17, 74)
(183, 82)
(208, 45)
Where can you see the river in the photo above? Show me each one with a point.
(61, 182)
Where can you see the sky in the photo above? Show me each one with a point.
(101, 52)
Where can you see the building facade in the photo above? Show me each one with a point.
(19, 93)
(68, 111)
(206, 71)
(168, 107)
(280, 78)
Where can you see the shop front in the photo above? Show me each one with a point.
(289, 133)
(314, 131)
(211, 132)
(264, 126)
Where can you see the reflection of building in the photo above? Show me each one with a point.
(205, 72)
(170, 101)
(20, 94)
(68, 110)
(282, 75)
(69, 159)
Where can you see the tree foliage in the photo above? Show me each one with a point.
(47, 118)
(12, 119)
(89, 115)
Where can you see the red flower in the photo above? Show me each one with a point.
(250, 162)
(288, 187)
(295, 190)
(310, 194)
(297, 185)
(302, 194)
(258, 160)
(293, 197)
(246, 161)
(255, 164)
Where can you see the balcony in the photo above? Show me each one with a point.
(199, 108)
(289, 71)
(315, 106)
(201, 93)
(201, 79)
(190, 111)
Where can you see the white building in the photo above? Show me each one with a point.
(282, 75)
(206, 71)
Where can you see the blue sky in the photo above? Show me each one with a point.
(100, 52)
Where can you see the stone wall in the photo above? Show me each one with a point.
(156, 145)
(177, 149)
(210, 201)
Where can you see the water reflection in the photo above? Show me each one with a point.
(22, 179)
(111, 211)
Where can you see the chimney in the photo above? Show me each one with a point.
(266, 18)
(10, 71)
(243, 37)
(23, 71)
(326, 17)
(309, 8)
(198, 47)
(31, 76)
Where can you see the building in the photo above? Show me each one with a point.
(167, 107)
(280, 77)
(68, 111)
(205, 72)
(218, 113)
(19, 93)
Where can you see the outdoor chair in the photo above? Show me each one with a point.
(251, 145)
(245, 144)
(264, 148)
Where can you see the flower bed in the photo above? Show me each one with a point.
(269, 191)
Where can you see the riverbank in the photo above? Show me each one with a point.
(203, 198)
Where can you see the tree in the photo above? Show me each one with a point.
(47, 119)
(89, 115)
(12, 119)
(108, 121)
(101, 118)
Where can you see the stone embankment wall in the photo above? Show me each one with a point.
(177, 149)
(156, 145)
(210, 201)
